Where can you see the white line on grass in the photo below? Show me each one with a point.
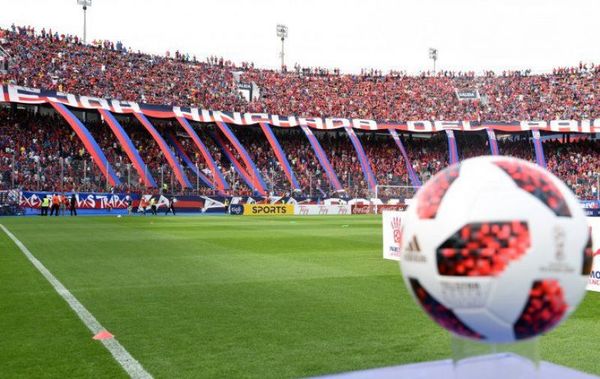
(122, 356)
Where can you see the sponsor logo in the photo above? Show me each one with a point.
(361, 209)
(84, 200)
(236, 209)
(412, 251)
(594, 278)
(397, 230)
(590, 204)
(268, 209)
(464, 294)
(390, 207)
(321, 210)
(558, 265)
(559, 243)
(413, 246)
(467, 94)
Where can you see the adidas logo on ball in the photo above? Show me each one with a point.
(412, 251)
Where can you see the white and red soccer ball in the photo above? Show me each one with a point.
(496, 249)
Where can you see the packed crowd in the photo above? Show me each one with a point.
(62, 62)
(50, 60)
(41, 152)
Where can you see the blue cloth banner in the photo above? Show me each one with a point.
(539, 148)
(492, 141)
(362, 158)
(452, 148)
(129, 148)
(250, 166)
(184, 157)
(279, 153)
(414, 179)
(217, 175)
(335, 183)
(89, 143)
(170, 157)
(238, 167)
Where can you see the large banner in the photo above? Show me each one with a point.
(84, 200)
(392, 234)
(268, 210)
(17, 94)
(594, 279)
(320, 210)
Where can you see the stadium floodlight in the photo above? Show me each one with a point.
(433, 55)
(282, 32)
(85, 4)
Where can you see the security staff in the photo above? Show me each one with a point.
(143, 204)
(153, 206)
(45, 205)
(171, 205)
(129, 203)
(64, 203)
(73, 205)
(55, 205)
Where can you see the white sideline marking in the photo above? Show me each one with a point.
(122, 356)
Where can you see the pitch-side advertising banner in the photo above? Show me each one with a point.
(84, 200)
(594, 280)
(319, 210)
(591, 207)
(268, 210)
(392, 234)
(363, 209)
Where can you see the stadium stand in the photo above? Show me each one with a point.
(52, 61)
(38, 149)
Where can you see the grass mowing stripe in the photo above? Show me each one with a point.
(121, 355)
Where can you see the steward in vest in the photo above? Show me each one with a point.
(45, 205)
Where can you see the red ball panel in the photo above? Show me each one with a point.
(537, 183)
(544, 309)
(431, 194)
(483, 249)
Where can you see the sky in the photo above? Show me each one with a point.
(470, 35)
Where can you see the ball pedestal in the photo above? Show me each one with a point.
(519, 360)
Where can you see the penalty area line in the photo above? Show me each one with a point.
(119, 353)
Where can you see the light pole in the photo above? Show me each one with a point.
(433, 55)
(85, 4)
(282, 32)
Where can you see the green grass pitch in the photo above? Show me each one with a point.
(225, 297)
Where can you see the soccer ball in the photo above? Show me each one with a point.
(496, 249)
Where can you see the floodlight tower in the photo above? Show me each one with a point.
(433, 55)
(85, 4)
(282, 32)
